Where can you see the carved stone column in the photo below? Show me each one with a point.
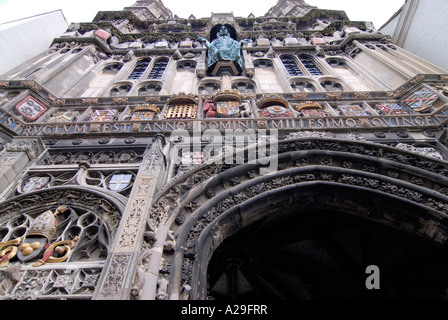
(248, 65)
(116, 281)
(201, 66)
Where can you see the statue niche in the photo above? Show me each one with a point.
(224, 54)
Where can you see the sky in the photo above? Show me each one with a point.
(378, 11)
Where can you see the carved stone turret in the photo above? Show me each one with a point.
(285, 8)
(150, 9)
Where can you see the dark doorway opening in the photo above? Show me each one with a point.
(318, 254)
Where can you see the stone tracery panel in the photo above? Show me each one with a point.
(118, 181)
(71, 263)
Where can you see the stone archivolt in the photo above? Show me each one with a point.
(200, 203)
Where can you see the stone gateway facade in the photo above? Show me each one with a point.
(149, 157)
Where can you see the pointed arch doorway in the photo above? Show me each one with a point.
(314, 252)
(310, 229)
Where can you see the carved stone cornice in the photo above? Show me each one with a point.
(32, 146)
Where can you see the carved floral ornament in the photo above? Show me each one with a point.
(363, 167)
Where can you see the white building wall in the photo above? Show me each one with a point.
(421, 28)
(24, 39)
(390, 26)
(429, 29)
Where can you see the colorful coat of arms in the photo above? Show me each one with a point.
(352, 110)
(421, 100)
(103, 115)
(276, 112)
(144, 112)
(225, 109)
(36, 243)
(310, 109)
(119, 182)
(31, 108)
(143, 116)
(313, 113)
(390, 109)
(180, 111)
(35, 183)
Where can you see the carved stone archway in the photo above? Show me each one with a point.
(201, 208)
(87, 220)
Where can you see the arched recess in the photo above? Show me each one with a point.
(87, 220)
(372, 182)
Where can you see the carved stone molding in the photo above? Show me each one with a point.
(39, 201)
(19, 284)
(89, 101)
(120, 100)
(33, 147)
(31, 84)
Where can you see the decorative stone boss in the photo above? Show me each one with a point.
(224, 48)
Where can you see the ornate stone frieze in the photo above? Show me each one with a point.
(31, 84)
(90, 101)
(48, 284)
(102, 157)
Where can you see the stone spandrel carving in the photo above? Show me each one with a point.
(32, 147)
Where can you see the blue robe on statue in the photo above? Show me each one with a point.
(225, 48)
